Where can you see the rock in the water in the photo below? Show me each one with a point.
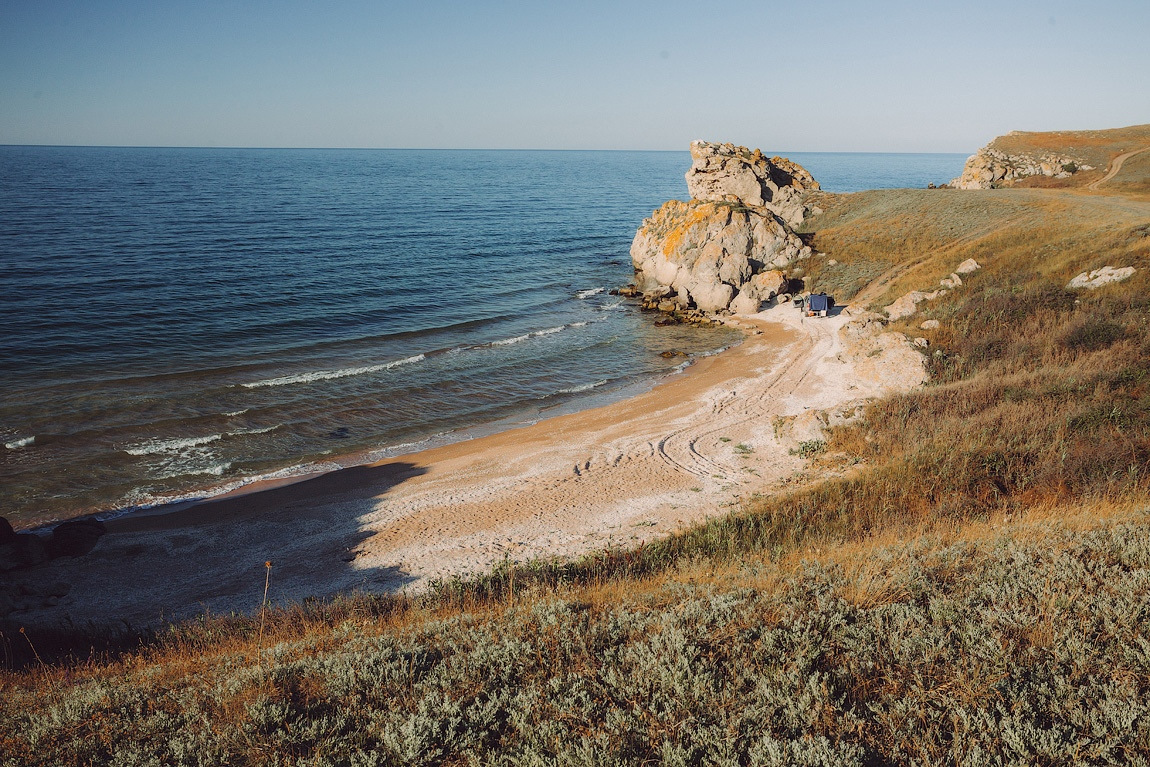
(1100, 277)
(75, 538)
(24, 550)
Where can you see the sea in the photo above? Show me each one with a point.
(178, 323)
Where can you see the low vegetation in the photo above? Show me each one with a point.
(970, 585)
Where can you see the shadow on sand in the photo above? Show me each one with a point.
(210, 558)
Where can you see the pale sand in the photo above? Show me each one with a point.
(693, 447)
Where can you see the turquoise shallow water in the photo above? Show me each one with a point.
(177, 322)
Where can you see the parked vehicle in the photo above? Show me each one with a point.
(818, 305)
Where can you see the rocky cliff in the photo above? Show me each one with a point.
(996, 165)
(729, 246)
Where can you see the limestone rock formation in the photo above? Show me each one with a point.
(989, 167)
(1100, 277)
(906, 305)
(728, 173)
(709, 252)
(730, 245)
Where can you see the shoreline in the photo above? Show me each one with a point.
(691, 447)
(365, 456)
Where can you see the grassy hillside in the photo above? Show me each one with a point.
(962, 578)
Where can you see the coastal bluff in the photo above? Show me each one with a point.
(1054, 159)
(727, 247)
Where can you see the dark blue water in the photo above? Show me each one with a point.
(176, 322)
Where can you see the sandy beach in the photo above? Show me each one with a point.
(694, 446)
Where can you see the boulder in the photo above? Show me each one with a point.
(746, 304)
(733, 237)
(690, 248)
(1099, 277)
(7, 534)
(725, 173)
(75, 538)
(24, 550)
(951, 282)
(930, 325)
(908, 304)
(968, 266)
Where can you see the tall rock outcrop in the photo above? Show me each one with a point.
(729, 173)
(729, 246)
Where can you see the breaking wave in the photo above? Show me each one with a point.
(325, 375)
(170, 445)
(583, 387)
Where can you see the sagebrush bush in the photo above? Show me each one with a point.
(1007, 652)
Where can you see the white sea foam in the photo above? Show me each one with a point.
(170, 445)
(234, 413)
(583, 387)
(536, 334)
(609, 307)
(264, 430)
(19, 443)
(509, 341)
(325, 375)
(216, 471)
(139, 500)
(588, 293)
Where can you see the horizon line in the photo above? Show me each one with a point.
(418, 149)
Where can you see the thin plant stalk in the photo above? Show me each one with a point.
(263, 613)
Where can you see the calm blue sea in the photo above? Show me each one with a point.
(177, 322)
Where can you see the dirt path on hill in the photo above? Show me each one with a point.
(1115, 166)
(696, 446)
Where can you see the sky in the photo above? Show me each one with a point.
(801, 75)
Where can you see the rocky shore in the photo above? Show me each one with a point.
(991, 167)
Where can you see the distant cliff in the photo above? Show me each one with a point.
(989, 167)
(728, 247)
(1049, 158)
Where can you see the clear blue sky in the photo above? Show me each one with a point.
(800, 75)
